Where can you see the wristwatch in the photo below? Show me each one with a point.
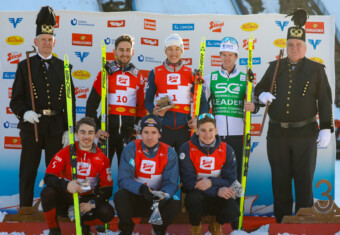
(93, 203)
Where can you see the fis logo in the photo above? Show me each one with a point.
(254, 145)
(207, 163)
(148, 167)
(123, 80)
(282, 24)
(15, 21)
(82, 56)
(314, 43)
(173, 79)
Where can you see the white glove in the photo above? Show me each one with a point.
(31, 116)
(324, 137)
(65, 139)
(265, 97)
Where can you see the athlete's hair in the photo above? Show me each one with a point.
(88, 121)
(124, 38)
(204, 118)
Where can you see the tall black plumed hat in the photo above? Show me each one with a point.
(299, 17)
(45, 21)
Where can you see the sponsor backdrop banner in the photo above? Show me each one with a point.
(79, 34)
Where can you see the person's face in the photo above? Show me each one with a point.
(45, 44)
(150, 136)
(86, 135)
(296, 49)
(206, 132)
(173, 53)
(124, 53)
(228, 60)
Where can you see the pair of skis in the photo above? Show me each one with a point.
(198, 81)
(73, 155)
(246, 137)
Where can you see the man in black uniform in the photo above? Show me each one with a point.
(300, 92)
(49, 96)
(125, 98)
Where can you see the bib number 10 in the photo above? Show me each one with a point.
(121, 99)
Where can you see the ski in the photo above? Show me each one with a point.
(198, 74)
(246, 137)
(73, 155)
(103, 145)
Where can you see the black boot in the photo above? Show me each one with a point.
(54, 231)
(158, 230)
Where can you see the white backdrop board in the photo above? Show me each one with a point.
(79, 34)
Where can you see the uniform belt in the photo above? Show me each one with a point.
(47, 112)
(293, 124)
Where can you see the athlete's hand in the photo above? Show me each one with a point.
(102, 135)
(248, 106)
(203, 184)
(192, 124)
(156, 111)
(74, 187)
(226, 193)
(85, 207)
(266, 97)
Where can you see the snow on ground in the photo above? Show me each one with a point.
(76, 5)
(186, 7)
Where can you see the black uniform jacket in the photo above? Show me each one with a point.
(301, 93)
(49, 93)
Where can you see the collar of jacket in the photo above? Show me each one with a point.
(226, 74)
(173, 67)
(207, 150)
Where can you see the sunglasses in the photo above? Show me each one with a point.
(231, 40)
(203, 115)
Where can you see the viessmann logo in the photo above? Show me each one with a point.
(216, 26)
(115, 23)
(149, 41)
(14, 40)
(315, 27)
(149, 24)
(80, 39)
(11, 142)
(13, 57)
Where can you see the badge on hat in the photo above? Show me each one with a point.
(45, 21)
(299, 17)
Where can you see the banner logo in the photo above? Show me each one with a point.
(216, 60)
(8, 75)
(13, 57)
(142, 58)
(80, 109)
(280, 42)
(80, 39)
(173, 79)
(8, 124)
(216, 26)
(14, 40)
(207, 163)
(82, 56)
(187, 61)
(317, 59)
(115, 23)
(213, 43)
(256, 60)
(56, 22)
(81, 92)
(15, 21)
(12, 142)
(246, 44)
(254, 145)
(8, 110)
(81, 74)
(109, 41)
(149, 24)
(149, 41)
(75, 22)
(176, 27)
(9, 92)
(255, 129)
(249, 27)
(315, 27)
(148, 167)
(282, 24)
(123, 80)
(186, 44)
(314, 43)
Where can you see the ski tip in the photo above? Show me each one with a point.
(65, 57)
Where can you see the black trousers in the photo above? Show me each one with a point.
(236, 142)
(175, 137)
(116, 145)
(291, 159)
(199, 204)
(52, 198)
(30, 160)
(130, 205)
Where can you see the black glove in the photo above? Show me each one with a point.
(162, 202)
(146, 192)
